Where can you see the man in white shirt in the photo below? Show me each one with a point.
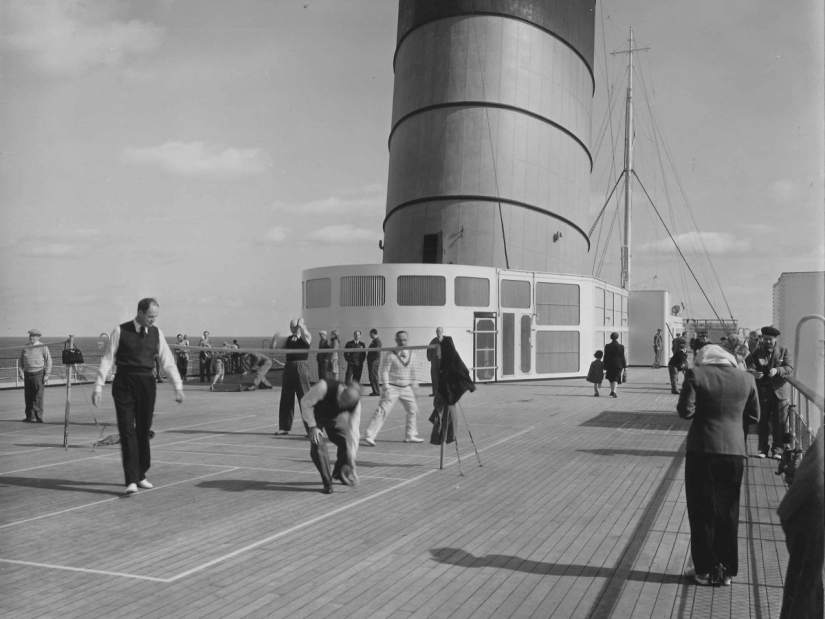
(133, 346)
(397, 384)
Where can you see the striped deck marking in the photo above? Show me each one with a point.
(239, 551)
(117, 498)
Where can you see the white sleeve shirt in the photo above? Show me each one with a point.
(165, 357)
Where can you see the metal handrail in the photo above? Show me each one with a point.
(804, 395)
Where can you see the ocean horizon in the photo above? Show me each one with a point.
(89, 343)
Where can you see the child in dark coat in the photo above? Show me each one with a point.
(596, 373)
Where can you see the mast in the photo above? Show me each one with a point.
(628, 170)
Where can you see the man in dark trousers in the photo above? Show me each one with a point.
(373, 360)
(770, 363)
(296, 374)
(677, 363)
(324, 359)
(34, 368)
(355, 360)
(335, 408)
(205, 359)
(657, 349)
(132, 347)
(434, 357)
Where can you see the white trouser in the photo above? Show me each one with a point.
(389, 395)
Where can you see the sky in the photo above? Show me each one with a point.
(206, 152)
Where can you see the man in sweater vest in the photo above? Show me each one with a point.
(335, 408)
(132, 348)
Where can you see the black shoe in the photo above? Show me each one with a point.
(327, 489)
(613, 394)
(674, 392)
(28, 420)
(38, 421)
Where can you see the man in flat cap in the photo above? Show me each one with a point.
(296, 374)
(34, 368)
(770, 364)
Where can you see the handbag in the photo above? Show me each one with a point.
(624, 375)
(72, 356)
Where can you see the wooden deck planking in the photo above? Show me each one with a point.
(582, 514)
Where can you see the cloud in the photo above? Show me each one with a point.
(199, 159)
(68, 243)
(71, 38)
(274, 236)
(345, 234)
(786, 190)
(369, 199)
(691, 242)
(53, 250)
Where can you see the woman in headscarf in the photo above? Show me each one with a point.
(718, 398)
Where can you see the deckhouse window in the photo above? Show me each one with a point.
(472, 292)
(515, 293)
(362, 291)
(318, 292)
(557, 304)
(422, 290)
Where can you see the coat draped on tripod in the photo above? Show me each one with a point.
(453, 382)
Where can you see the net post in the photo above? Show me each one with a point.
(68, 399)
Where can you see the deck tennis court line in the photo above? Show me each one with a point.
(114, 498)
(108, 455)
(26, 451)
(83, 569)
(260, 468)
(253, 545)
(312, 521)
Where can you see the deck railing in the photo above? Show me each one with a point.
(808, 406)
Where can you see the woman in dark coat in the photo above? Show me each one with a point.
(717, 397)
(614, 363)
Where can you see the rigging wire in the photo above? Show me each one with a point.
(611, 93)
(606, 202)
(607, 242)
(490, 137)
(658, 132)
(713, 309)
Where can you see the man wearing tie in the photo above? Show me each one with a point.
(132, 347)
(397, 381)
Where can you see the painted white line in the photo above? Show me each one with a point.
(44, 466)
(259, 468)
(188, 440)
(229, 469)
(257, 455)
(206, 423)
(22, 451)
(82, 569)
(312, 521)
(240, 550)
